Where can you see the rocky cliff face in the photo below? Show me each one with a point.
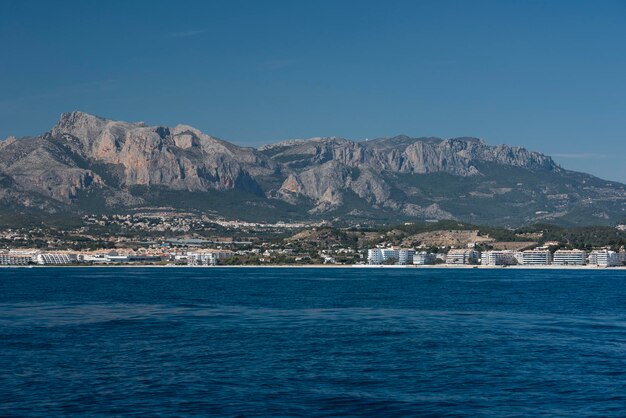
(321, 168)
(36, 165)
(181, 158)
(403, 154)
(85, 155)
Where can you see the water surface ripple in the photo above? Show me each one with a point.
(312, 342)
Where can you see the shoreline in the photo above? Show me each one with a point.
(331, 266)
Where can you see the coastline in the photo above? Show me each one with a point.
(330, 266)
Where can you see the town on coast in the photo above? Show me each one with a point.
(385, 257)
(174, 240)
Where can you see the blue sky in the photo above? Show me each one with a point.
(546, 75)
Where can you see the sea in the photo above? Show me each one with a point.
(312, 342)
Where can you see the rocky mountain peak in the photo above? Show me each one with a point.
(77, 116)
(72, 121)
(88, 128)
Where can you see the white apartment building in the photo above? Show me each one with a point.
(390, 253)
(569, 257)
(14, 260)
(498, 258)
(534, 257)
(207, 258)
(56, 259)
(604, 258)
(375, 256)
(405, 256)
(382, 255)
(93, 258)
(462, 257)
(423, 258)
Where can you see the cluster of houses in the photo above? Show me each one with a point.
(34, 257)
(536, 257)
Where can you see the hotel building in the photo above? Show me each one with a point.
(604, 258)
(405, 256)
(14, 260)
(56, 259)
(570, 257)
(462, 257)
(207, 258)
(423, 258)
(498, 258)
(382, 255)
(375, 256)
(534, 257)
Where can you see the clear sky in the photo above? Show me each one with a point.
(546, 75)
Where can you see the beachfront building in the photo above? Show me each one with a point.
(534, 257)
(56, 258)
(498, 258)
(375, 256)
(390, 255)
(604, 258)
(207, 258)
(14, 260)
(461, 256)
(569, 257)
(93, 258)
(405, 256)
(387, 255)
(144, 258)
(117, 258)
(422, 258)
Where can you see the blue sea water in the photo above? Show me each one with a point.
(312, 342)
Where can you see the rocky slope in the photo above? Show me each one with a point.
(321, 168)
(88, 163)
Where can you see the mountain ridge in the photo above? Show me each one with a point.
(85, 159)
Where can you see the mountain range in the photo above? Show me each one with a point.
(88, 164)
